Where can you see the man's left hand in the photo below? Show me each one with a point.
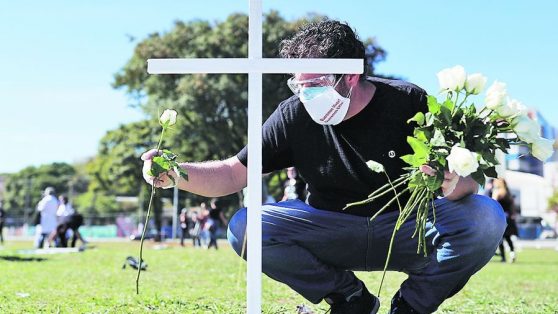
(450, 179)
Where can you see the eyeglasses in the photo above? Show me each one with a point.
(324, 80)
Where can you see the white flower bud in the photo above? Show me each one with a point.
(526, 129)
(542, 149)
(168, 117)
(375, 166)
(495, 95)
(452, 79)
(475, 83)
(512, 108)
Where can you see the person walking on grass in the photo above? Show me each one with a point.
(47, 208)
(217, 222)
(328, 130)
(501, 193)
(2, 219)
(183, 217)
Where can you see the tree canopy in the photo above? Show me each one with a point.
(24, 188)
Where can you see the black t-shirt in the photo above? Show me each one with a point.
(332, 159)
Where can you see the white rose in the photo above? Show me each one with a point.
(475, 83)
(526, 129)
(462, 161)
(542, 149)
(512, 108)
(168, 117)
(375, 166)
(495, 95)
(452, 79)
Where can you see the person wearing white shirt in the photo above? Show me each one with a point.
(47, 208)
(65, 209)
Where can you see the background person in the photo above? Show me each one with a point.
(195, 229)
(183, 217)
(71, 222)
(501, 193)
(2, 219)
(218, 221)
(294, 186)
(47, 208)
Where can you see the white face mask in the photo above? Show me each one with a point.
(324, 104)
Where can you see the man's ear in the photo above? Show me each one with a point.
(351, 79)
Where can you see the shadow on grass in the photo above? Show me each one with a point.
(15, 258)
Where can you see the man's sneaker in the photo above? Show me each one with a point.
(361, 302)
(400, 306)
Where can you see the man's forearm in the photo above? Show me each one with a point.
(465, 186)
(213, 178)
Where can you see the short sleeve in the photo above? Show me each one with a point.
(422, 101)
(276, 154)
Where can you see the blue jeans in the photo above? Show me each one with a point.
(315, 251)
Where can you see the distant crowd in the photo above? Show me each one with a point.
(56, 221)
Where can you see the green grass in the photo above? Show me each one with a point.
(199, 281)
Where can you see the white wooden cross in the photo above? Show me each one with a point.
(254, 66)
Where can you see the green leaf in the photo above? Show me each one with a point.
(420, 135)
(168, 155)
(479, 177)
(416, 180)
(446, 114)
(489, 157)
(414, 160)
(429, 118)
(159, 165)
(433, 105)
(418, 118)
(438, 139)
(420, 148)
(442, 160)
(183, 173)
(491, 172)
(448, 104)
(433, 183)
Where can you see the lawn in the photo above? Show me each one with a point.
(188, 280)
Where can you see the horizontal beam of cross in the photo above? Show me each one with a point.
(247, 65)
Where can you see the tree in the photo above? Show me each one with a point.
(116, 170)
(24, 188)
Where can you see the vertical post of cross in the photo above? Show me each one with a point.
(254, 214)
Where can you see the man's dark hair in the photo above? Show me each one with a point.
(324, 39)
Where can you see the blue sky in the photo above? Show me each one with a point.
(58, 57)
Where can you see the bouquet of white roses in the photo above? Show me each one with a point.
(454, 136)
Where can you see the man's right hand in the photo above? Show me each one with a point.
(163, 180)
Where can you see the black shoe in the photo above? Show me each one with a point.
(130, 260)
(400, 306)
(361, 302)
